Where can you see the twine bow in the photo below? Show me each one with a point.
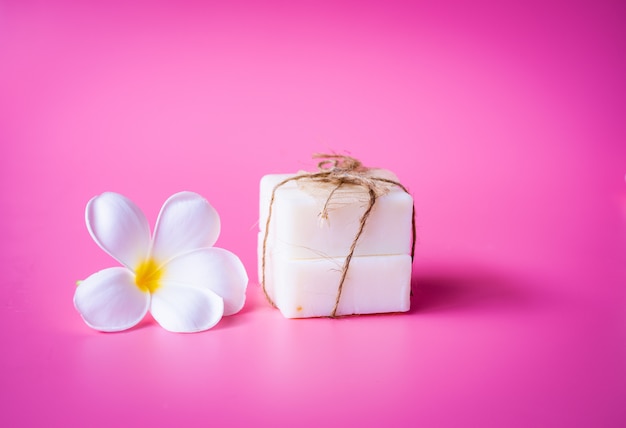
(338, 171)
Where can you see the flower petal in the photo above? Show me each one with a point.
(186, 222)
(119, 227)
(109, 300)
(214, 268)
(184, 309)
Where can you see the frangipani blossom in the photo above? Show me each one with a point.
(177, 275)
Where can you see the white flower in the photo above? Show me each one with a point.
(177, 275)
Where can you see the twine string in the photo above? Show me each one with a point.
(337, 170)
(324, 213)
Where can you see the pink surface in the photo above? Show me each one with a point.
(505, 121)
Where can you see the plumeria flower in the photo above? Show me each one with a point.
(177, 275)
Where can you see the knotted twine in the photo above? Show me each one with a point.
(338, 171)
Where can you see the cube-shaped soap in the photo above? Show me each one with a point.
(305, 251)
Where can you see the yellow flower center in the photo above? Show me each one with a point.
(147, 275)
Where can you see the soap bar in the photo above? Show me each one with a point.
(305, 251)
(300, 233)
(308, 288)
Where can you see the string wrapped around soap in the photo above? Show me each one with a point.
(337, 171)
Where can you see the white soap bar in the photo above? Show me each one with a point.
(308, 288)
(298, 232)
(305, 254)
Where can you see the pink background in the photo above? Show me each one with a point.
(506, 122)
